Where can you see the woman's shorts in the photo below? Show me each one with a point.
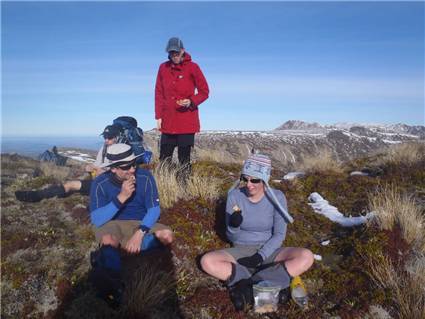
(240, 251)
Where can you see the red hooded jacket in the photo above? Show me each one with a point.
(176, 82)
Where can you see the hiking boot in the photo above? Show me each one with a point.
(284, 296)
(28, 196)
(241, 294)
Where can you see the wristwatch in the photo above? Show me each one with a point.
(144, 229)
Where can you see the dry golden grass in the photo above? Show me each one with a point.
(58, 172)
(171, 188)
(166, 181)
(407, 287)
(202, 186)
(321, 162)
(391, 208)
(404, 153)
(216, 156)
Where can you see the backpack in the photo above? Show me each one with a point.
(53, 156)
(132, 135)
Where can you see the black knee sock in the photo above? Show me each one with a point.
(36, 196)
(239, 272)
(52, 191)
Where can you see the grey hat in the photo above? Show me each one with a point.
(257, 165)
(174, 44)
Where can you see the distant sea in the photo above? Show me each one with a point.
(33, 146)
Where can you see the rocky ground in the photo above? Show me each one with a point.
(45, 248)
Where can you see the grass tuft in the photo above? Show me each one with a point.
(166, 180)
(52, 170)
(406, 287)
(404, 154)
(148, 290)
(321, 162)
(171, 188)
(391, 208)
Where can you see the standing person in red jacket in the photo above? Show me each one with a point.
(180, 88)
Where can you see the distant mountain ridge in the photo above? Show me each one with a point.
(289, 143)
(399, 128)
(297, 125)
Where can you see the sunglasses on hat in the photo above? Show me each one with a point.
(252, 180)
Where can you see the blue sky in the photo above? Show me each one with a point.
(69, 68)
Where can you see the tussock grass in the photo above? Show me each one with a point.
(166, 181)
(202, 186)
(323, 161)
(404, 153)
(172, 188)
(407, 287)
(392, 207)
(148, 290)
(216, 156)
(57, 172)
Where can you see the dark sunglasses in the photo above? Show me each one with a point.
(252, 180)
(128, 166)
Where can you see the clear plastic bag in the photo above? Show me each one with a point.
(266, 297)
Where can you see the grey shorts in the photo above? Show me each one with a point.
(240, 251)
(122, 230)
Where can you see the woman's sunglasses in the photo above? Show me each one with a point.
(128, 166)
(252, 180)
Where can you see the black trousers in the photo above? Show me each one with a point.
(183, 153)
(184, 143)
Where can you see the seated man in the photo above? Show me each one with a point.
(110, 134)
(124, 208)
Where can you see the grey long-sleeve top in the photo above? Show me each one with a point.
(262, 222)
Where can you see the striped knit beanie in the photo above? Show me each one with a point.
(259, 166)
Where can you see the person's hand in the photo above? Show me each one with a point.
(98, 170)
(158, 124)
(127, 189)
(89, 168)
(134, 244)
(252, 261)
(184, 102)
(236, 219)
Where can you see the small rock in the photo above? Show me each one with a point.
(358, 173)
(325, 243)
(293, 175)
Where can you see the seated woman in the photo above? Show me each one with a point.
(256, 220)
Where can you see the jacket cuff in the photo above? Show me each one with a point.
(193, 103)
(262, 255)
(117, 202)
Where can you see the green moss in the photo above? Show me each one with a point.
(15, 273)
(39, 182)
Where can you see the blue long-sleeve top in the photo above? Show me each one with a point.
(262, 223)
(143, 205)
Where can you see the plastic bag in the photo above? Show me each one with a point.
(266, 297)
